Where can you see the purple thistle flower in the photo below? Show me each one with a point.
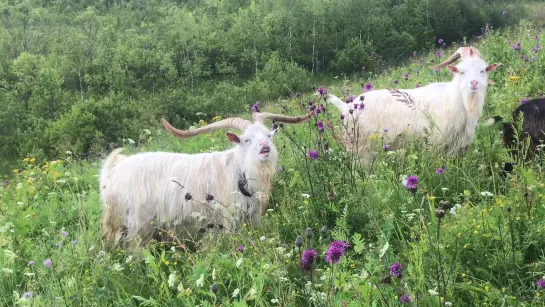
(418, 72)
(31, 263)
(362, 98)
(418, 85)
(312, 108)
(440, 171)
(298, 94)
(436, 71)
(504, 13)
(385, 130)
(335, 251)
(368, 86)
(308, 258)
(361, 106)
(342, 116)
(541, 283)
(322, 107)
(313, 154)
(516, 47)
(48, 263)
(440, 41)
(386, 147)
(240, 248)
(350, 99)
(64, 233)
(320, 126)
(255, 107)
(438, 54)
(27, 295)
(406, 76)
(411, 183)
(396, 81)
(310, 102)
(405, 299)
(321, 90)
(396, 270)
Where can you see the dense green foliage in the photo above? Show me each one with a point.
(79, 75)
(487, 251)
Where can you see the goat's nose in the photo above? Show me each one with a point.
(474, 82)
(263, 142)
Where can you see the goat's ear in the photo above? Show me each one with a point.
(452, 69)
(233, 138)
(273, 132)
(491, 67)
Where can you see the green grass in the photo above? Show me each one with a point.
(490, 252)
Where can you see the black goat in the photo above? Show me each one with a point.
(533, 126)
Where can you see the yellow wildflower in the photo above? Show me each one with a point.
(499, 202)
(467, 193)
(217, 118)
(32, 160)
(432, 198)
(514, 78)
(26, 160)
(373, 136)
(486, 288)
(15, 171)
(476, 232)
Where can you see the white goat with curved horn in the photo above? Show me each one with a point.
(445, 112)
(190, 191)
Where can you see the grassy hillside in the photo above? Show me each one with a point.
(487, 251)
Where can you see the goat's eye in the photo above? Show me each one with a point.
(247, 141)
(270, 135)
(482, 71)
(461, 73)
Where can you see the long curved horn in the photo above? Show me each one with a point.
(260, 117)
(462, 52)
(234, 122)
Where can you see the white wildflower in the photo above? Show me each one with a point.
(91, 248)
(101, 254)
(452, 210)
(129, 258)
(274, 301)
(448, 304)
(19, 186)
(214, 274)
(487, 194)
(131, 141)
(61, 181)
(444, 189)
(266, 266)
(200, 281)
(384, 249)
(7, 271)
(236, 292)
(239, 262)
(270, 210)
(433, 292)
(117, 267)
(324, 277)
(172, 279)
(305, 195)
(281, 250)
(10, 256)
(262, 238)
(68, 152)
